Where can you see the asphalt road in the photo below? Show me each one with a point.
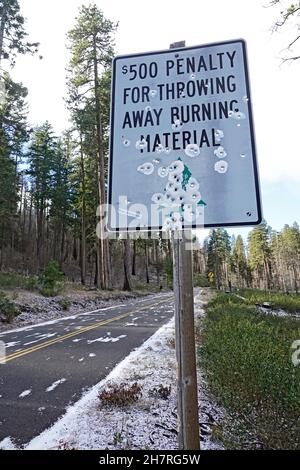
(50, 365)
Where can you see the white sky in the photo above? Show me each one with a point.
(145, 26)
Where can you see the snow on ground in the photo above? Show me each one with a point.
(278, 312)
(106, 339)
(25, 393)
(55, 384)
(149, 423)
(12, 344)
(40, 338)
(7, 444)
(38, 310)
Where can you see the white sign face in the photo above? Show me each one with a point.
(182, 150)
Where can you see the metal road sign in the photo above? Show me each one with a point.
(182, 149)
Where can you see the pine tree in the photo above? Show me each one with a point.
(13, 132)
(61, 195)
(288, 16)
(13, 37)
(41, 157)
(260, 255)
(91, 46)
(218, 249)
(290, 242)
(13, 135)
(239, 260)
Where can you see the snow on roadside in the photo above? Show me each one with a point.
(7, 444)
(55, 384)
(279, 312)
(150, 423)
(25, 393)
(38, 310)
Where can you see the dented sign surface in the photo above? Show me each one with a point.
(182, 149)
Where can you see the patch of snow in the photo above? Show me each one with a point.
(7, 444)
(150, 422)
(93, 312)
(106, 339)
(55, 384)
(25, 393)
(12, 344)
(275, 313)
(155, 296)
(58, 320)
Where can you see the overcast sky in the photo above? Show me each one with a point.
(146, 26)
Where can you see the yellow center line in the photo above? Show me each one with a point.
(24, 352)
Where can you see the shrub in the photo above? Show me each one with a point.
(200, 280)
(65, 304)
(8, 308)
(117, 438)
(50, 278)
(120, 395)
(171, 343)
(160, 392)
(31, 283)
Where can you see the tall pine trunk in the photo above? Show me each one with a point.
(133, 258)
(103, 261)
(126, 260)
(40, 237)
(82, 219)
(147, 263)
(295, 279)
(157, 262)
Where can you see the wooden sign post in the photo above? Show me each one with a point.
(187, 393)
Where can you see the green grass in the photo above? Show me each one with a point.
(200, 281)
(12, 281)
(247, 359)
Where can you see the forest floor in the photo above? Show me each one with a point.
(36, 308)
